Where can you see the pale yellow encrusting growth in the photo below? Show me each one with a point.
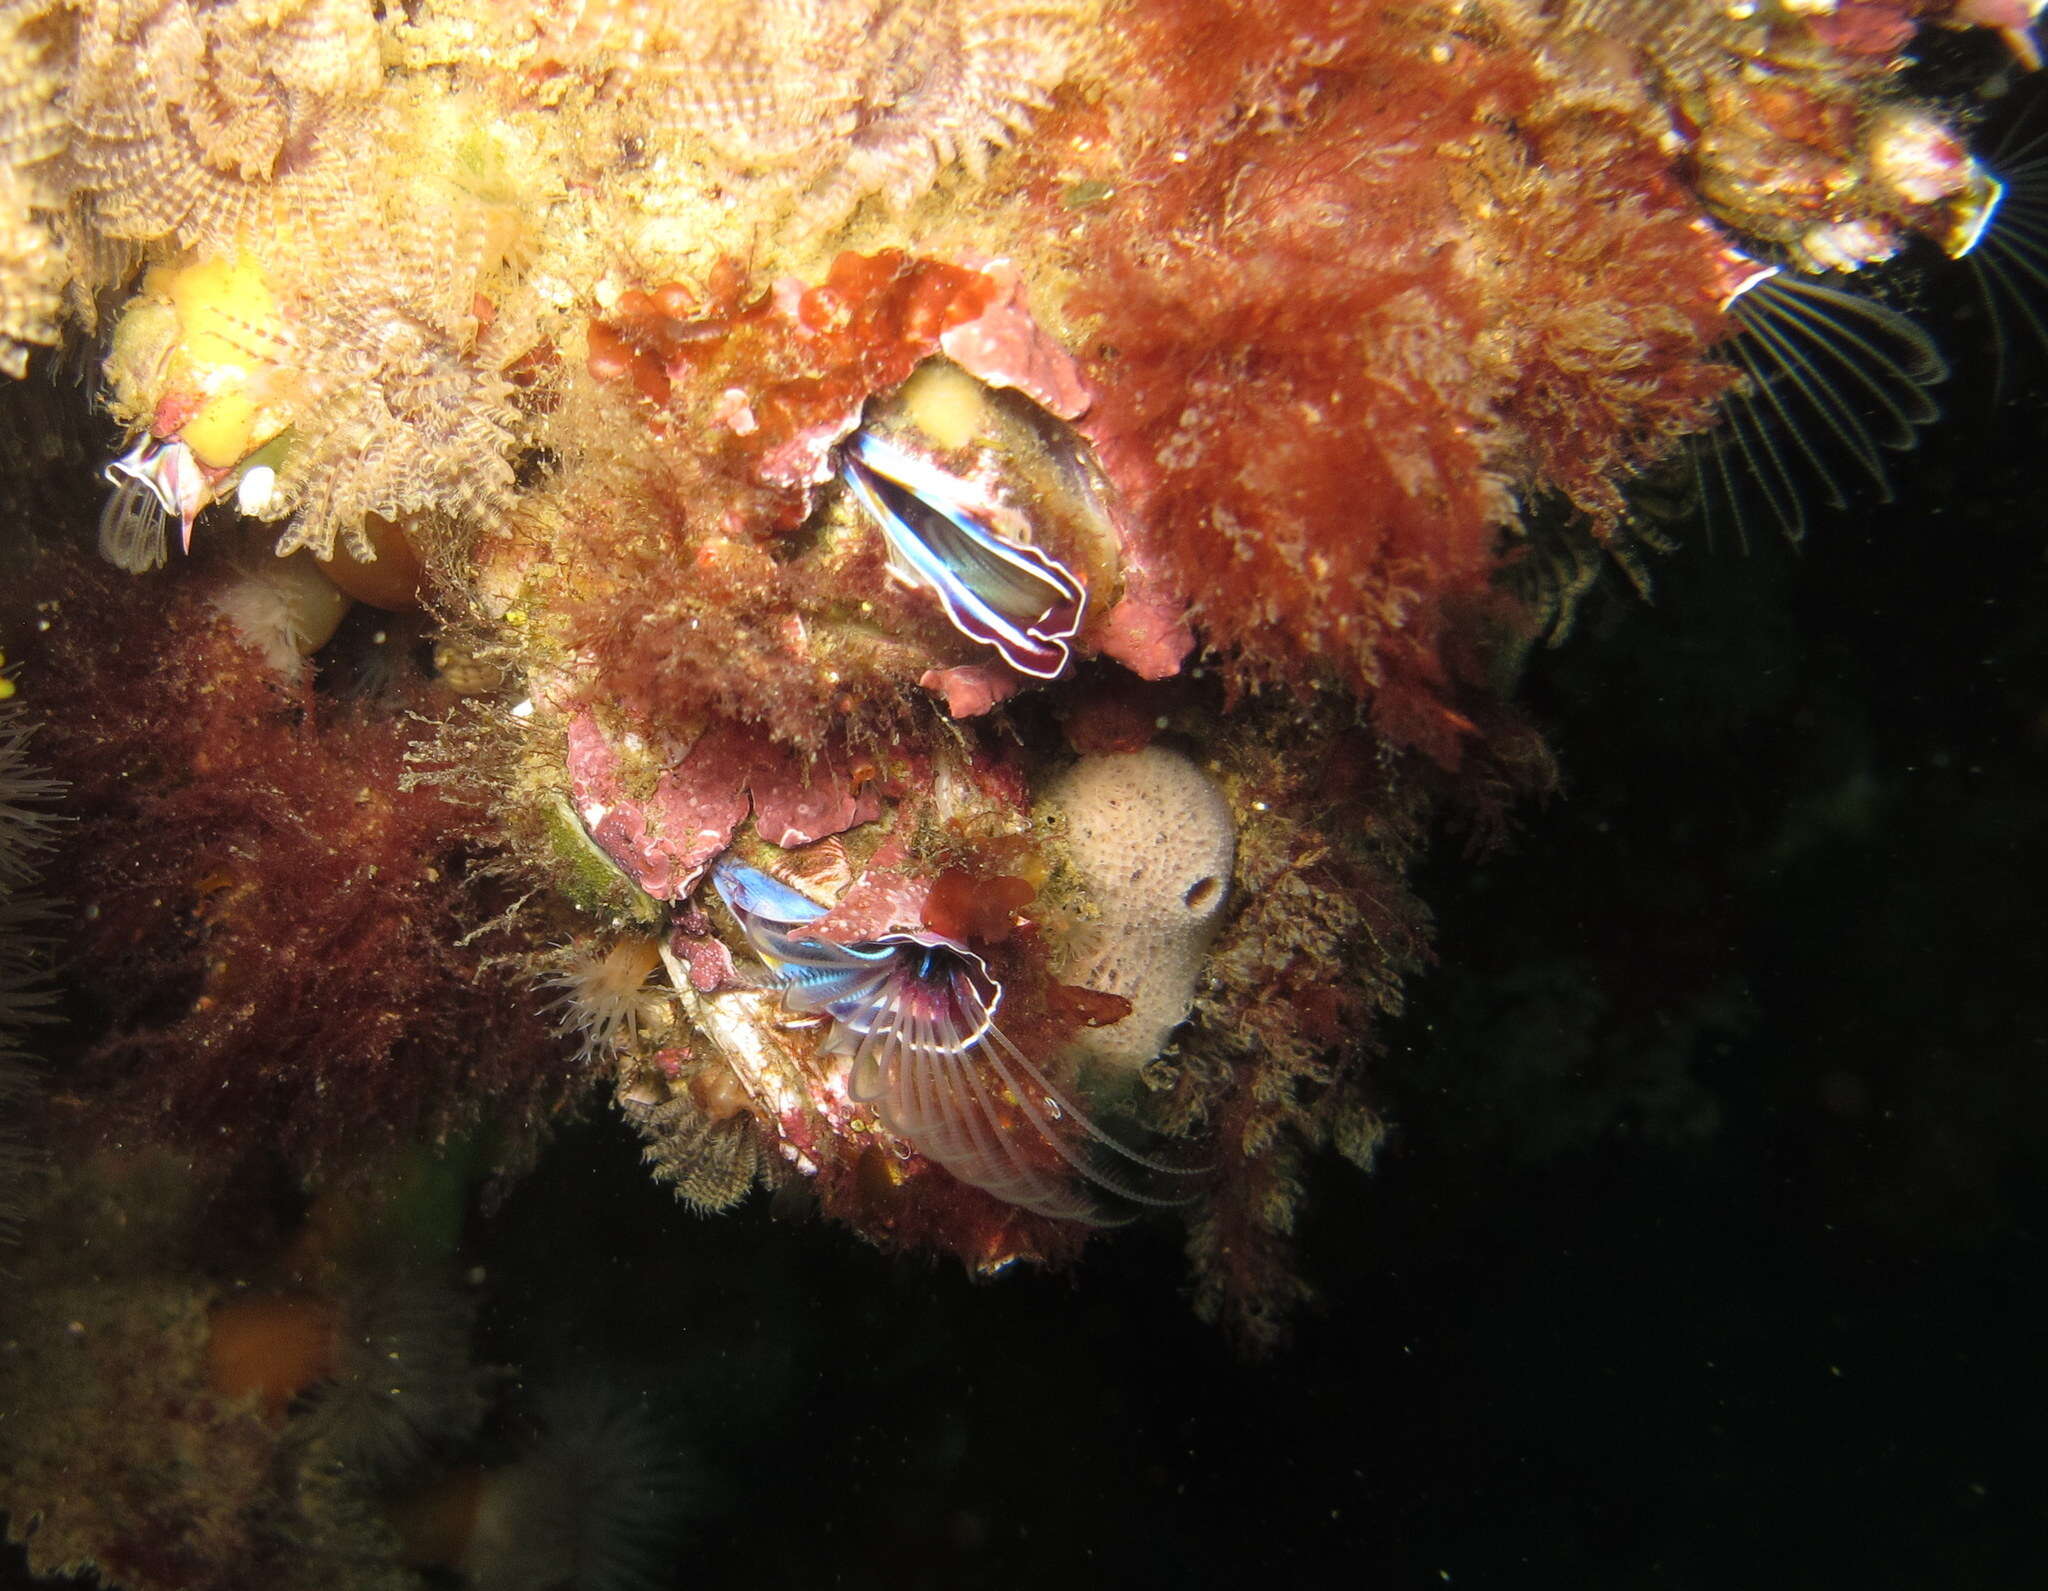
(31, 131)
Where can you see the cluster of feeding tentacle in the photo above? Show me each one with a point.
(916, 1015)
(31, 132)
(1271, 340)
(409, 410)
(205, 121)
(849, 98)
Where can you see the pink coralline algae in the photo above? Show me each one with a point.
(665, 841)
(1004, 347)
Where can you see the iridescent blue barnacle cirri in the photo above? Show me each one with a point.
(998, 591)
(916, 1012)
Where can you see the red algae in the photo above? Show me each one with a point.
(276, 946)
(973, 908)
(1317, 957)
(1316, 192)
(664, 841)
(1227, 327)
(1089, 1007)
(780, 378)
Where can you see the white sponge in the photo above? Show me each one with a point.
(1151, 840)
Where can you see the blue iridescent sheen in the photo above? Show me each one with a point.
(1000, 592)
(916, 1012)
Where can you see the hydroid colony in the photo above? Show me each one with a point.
(891, 459)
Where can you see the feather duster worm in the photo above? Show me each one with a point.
(843, 99)
(406, 405)
(31, 133)
(372, 384)
(202, 122)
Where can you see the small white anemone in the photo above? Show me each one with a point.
(604, 997)
(284, 608)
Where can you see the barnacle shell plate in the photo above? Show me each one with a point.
(1030, 474)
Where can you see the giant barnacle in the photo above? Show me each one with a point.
(853, 97)
(202, 120)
